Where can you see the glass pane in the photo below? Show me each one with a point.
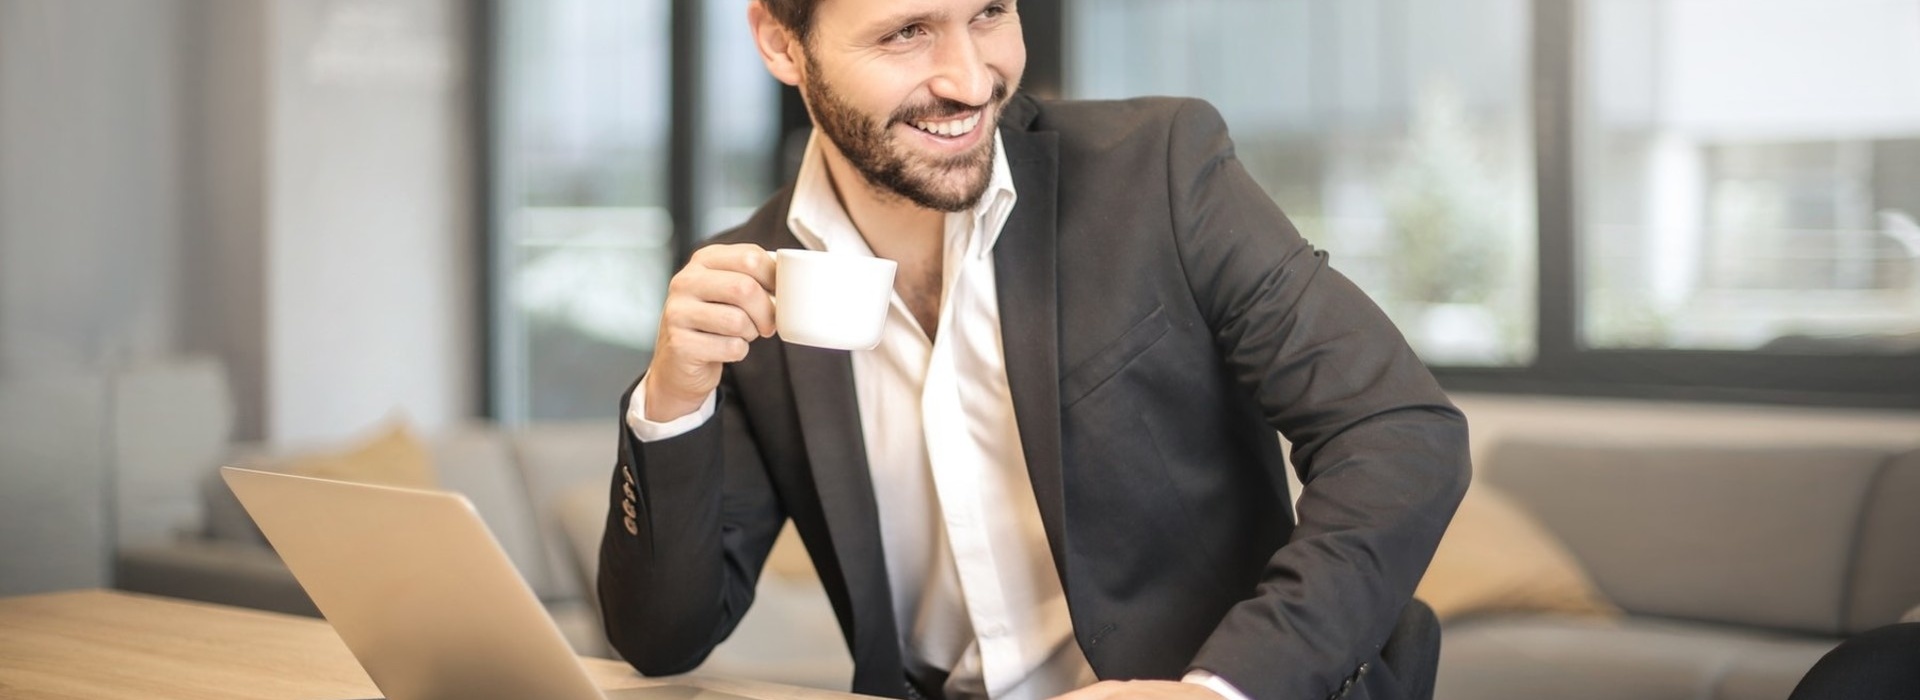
(1395, 133)
(743, 121)
(1751, 175)
(584, 239)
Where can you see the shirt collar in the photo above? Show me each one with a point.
(821, 223)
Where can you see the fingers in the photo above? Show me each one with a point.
(697, 293)
(720, 318)
(745, 258)
(716, 306)
(735, 275)
(694, 351)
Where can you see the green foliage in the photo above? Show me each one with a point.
(1444, 211)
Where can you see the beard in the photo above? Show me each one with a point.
(887, 165)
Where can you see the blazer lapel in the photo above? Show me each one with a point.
(829, 417)
(1025, 265)
(836, 452)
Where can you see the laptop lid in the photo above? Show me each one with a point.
(417, 587)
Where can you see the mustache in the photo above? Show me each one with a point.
(941, 108)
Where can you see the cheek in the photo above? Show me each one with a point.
(1006, 51)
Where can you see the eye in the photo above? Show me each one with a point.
(906, 33)
(994, 11)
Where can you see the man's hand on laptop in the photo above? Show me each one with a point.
(1147, 690)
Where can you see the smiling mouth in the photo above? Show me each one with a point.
(950, 128)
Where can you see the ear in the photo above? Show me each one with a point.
(779, 47)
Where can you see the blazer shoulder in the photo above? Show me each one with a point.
(1104, 126)
(767, 227)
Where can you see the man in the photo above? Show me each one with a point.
(1059, 464)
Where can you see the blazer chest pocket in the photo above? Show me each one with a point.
(1090, 374)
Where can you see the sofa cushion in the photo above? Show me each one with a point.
(391, 456)
(477, 462)
(1745, 535)
(1495, 557)
(1886, 573)
(474, 461)
(170, 420)
(1577, 658)
(555, 459)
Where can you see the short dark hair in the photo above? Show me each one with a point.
(795, 15)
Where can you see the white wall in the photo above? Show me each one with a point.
(283, 185)
(90, 213)
(89, 193)
(370, 241)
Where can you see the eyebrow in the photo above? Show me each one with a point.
(931, 16)
(891, 23)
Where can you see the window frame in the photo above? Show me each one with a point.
(1561, 366)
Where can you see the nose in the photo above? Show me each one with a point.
(960, 74)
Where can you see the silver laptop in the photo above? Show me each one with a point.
(420, 591)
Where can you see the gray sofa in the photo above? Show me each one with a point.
(1742, 542)
(1737, 566)
(515, 479)
(542, 491)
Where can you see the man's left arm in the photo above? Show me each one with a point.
(1380, 450)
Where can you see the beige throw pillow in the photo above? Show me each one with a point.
(1495, 557)
(394, 456)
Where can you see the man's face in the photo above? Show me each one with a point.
(910, 91)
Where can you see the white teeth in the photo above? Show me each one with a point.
(956, 127)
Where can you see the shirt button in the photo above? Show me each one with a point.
(996, 631)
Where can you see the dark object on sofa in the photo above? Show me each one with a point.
(1879, 664)
(1413, 650)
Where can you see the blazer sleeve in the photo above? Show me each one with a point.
(1380, 450)
(704, 515)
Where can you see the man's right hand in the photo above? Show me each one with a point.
(716, 305)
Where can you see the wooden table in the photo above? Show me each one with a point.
(81, 645)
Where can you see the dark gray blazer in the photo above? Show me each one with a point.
(1161, 319)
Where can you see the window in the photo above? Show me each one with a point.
(1396, 134)
(592, 202)
(1750, 175)
(1705, 199)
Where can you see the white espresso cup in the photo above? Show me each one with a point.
(831, 300)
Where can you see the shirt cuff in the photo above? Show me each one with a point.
(649, 431)
(1214, 683)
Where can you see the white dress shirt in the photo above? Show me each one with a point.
(975, 592)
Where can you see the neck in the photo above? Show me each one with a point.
(893, 226)
(896, 229)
